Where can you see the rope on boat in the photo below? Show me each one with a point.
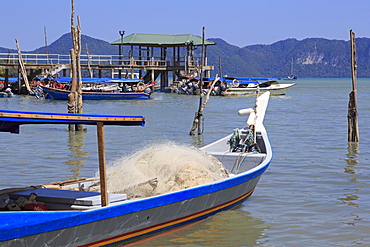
(249, 144)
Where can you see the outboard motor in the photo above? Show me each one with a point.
(234, 140)
(8, 92)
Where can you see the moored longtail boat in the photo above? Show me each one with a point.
(85, 218)
(99, 89)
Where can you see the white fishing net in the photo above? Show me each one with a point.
(162, 168)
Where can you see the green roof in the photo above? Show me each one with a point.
(147, 39)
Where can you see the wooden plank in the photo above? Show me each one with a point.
(67, 117)
(84, 198)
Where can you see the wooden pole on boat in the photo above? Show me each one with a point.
(102, 165)
(353, 131)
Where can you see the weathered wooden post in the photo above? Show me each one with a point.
(75, 97)
(102, 165)
(199, 114)
(71, 105)
(89, 62)
(23, 70)
(46, 46)
(77, 46)
(220, 65)
(353, 132)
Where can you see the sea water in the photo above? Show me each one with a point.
(314, 193)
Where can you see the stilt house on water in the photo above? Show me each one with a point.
(152, 54)
(147, 56)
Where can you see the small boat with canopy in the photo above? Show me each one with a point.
(87, 212)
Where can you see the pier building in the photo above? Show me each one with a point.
(152, 57)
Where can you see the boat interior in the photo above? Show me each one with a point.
(68, 195)
(82, 194)
(246, 160)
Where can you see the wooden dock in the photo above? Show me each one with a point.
(152, 57)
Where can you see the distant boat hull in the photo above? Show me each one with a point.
(5, 95)
(291, 78)
(59, 94)
(275, 90)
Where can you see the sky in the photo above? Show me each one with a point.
(238, 22)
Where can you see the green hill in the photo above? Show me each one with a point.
(312, 57)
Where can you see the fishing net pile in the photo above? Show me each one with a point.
(162, 168)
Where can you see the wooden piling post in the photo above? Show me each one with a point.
(353, 131)
(75, 97)
(89, 62)
(102, 165)
(200, 112)
(199, 115)
(23, 69)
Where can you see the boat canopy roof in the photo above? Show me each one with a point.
(230, 79)
(158, 40)
(99, 80)
(196, 78)
(9, 79)
(11, 120)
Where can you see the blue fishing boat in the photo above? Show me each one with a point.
(99, 89)
(73, 215)
(6, 92)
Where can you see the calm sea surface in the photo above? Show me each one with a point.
(316, 191)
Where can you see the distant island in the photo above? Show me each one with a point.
(312, 57)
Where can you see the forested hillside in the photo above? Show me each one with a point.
(312, 57)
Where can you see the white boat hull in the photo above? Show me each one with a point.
(275, 89)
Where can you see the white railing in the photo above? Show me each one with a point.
(12, 58)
